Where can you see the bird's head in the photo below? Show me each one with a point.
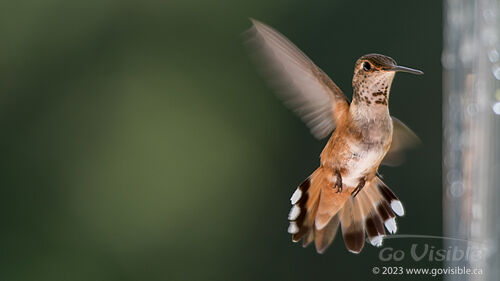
(373, 74)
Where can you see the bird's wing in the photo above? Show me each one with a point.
(303, 86)
(403, 138)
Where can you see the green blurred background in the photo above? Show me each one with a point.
(139, 142)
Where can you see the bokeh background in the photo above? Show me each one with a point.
(139, 142)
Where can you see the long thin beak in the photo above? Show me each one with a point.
(406, 69)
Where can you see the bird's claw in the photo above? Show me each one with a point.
(358, 188)
(338, 182)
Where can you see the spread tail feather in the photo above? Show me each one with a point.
(318, 211)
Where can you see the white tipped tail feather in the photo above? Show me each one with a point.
(292, 228)
(397, 207)
(377, 240)
(390, 224)
(296, 196)
(294, 213)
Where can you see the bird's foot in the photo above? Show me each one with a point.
(358, 188)
(338, 182)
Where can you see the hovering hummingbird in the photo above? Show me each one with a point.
(345, 189)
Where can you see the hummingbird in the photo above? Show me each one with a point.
(346, 189)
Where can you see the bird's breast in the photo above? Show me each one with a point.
(357, 148)
(361, 161)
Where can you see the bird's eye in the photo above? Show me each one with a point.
(367, 66)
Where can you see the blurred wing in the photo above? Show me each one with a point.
(402, 139)
(303, 86)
